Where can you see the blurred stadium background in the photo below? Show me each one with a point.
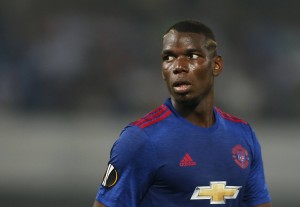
(74, 73)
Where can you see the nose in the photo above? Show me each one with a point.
(180, 65)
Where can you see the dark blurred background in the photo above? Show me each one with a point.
(74, 73)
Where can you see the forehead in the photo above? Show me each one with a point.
(174, 39)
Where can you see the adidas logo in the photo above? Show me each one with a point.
(187, 161)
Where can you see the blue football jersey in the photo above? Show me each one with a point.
(164, 160)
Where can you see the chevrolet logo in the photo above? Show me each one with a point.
(217, 192)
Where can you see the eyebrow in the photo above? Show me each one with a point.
(193, 50)
(169, 51)
(166, 52)
(187, 51)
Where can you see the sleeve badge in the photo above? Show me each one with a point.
(111, 176)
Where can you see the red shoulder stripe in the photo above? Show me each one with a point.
(165, 115)
(154, 116)
(229, 116)
(155, 113)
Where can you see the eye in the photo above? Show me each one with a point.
(168, 58)
(193, 56)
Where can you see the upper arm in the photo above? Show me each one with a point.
(130, 171)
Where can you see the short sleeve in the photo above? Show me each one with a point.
(131, 170)
(256, 192)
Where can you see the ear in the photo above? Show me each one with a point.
(218, 65)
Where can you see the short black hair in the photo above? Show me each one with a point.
(194, 26)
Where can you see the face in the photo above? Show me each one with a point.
(187, 66)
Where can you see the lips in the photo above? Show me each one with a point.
(181, 87)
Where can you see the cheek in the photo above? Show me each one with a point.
(202, 76)
(163, 69)
(193, 67)
(165, 72)
(199, 66)
(167, 78)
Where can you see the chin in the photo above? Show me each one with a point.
(185, 99)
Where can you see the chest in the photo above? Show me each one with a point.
(187, 160)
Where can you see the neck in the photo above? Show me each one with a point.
(199, 113)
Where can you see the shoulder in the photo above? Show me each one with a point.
(229, 117)
(155, 116)
(133, 144)
(234, 124)
(135, 134)
(238, 126)
(143, 132)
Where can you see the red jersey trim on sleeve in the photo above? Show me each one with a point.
(229, 116)
(153, 117)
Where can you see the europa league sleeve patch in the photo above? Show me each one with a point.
(111, 176)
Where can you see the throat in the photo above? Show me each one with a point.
(198, 114)
(202, 120)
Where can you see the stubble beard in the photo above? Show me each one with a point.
(191, 102)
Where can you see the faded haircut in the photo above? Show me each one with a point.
(200, 28)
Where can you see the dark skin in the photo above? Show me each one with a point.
(189, 69)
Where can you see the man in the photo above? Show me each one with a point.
(187, 152)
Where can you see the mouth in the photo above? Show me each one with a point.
(181, 87)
